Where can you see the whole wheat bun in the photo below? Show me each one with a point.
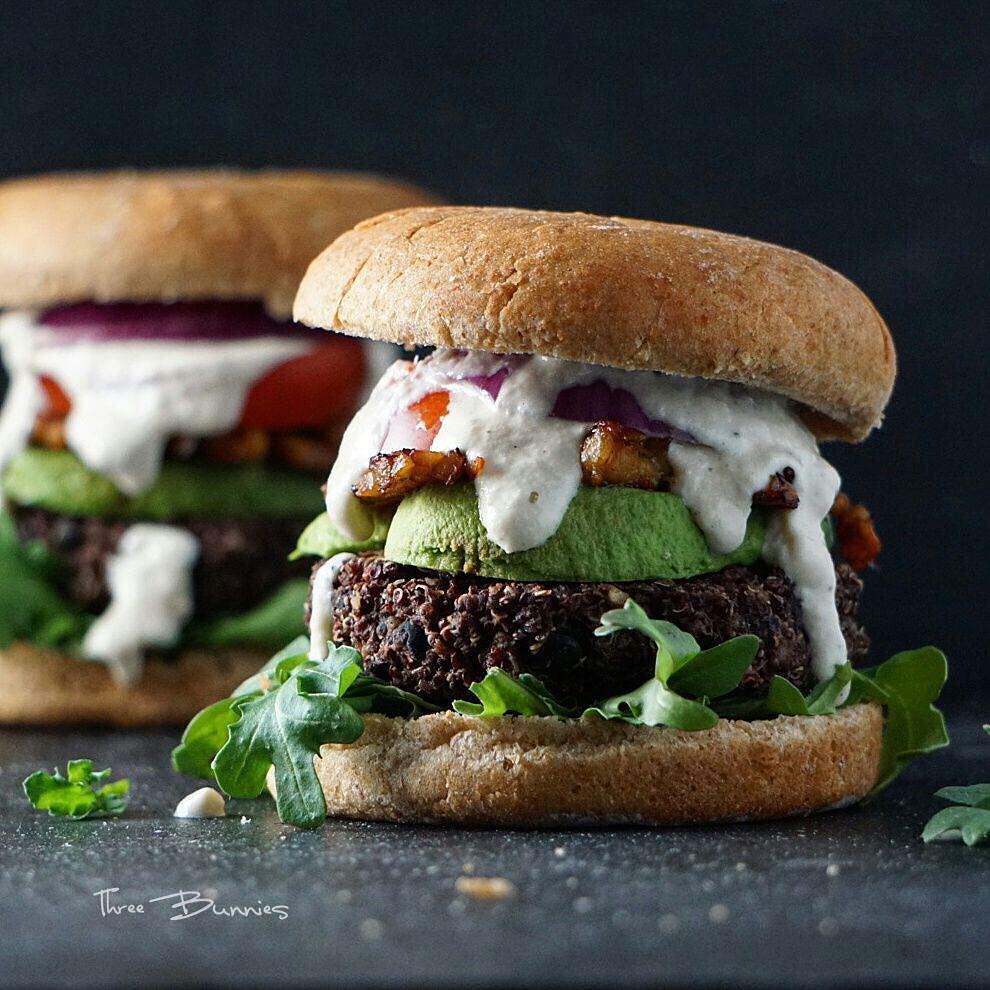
(534, 772)
(43, 687)
(612, 291)
(133, 236)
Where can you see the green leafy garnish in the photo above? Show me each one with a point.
(285, 727)
(501, 694)
(279, 718)
(907, 685)
(30, 606)
(682, 668)
(970, 814)
(283, 715)
(76, 795)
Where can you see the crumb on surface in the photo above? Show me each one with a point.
(485, 888)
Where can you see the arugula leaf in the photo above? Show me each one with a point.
(30, 608)
(203, 738)
(715, 672)
(501, 694)
(681, 646)
(970, 816)
(272, 622)
(975, 795)
(655, 704)
(681, 666)
(76, 795)
(972, 823)
(907, 685)
(285, 728)
(280, 717)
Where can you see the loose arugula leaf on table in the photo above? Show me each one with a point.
(76, 795)
(970, 815)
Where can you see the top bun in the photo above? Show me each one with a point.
(177, 235)
(606, 290)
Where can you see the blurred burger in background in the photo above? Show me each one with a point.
(161, 429)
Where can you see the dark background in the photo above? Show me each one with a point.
(856, 132)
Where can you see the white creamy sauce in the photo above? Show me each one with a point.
(128, 397)
(532, 466)
(151, 597)
(320, 616)
(204, 803)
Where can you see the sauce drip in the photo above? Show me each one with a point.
(130, 396)
(739, 438)
(151, 597)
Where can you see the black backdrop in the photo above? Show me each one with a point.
(857, 132)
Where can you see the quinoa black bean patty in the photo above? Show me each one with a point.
(435, 634)
(241, 562)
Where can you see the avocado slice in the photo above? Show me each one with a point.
(607, 534)
(60, 482)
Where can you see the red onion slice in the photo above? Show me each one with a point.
(598, 401)
(184, 321)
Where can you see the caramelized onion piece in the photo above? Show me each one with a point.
(858, 540)
(612, 454)
(390, 477)
(779, 492)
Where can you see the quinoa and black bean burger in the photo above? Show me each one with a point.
(584, 563)
(161, 431)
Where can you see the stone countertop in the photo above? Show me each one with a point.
(847, 897)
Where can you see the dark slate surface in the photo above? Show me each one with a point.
(848, 897)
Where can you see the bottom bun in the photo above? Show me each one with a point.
(39, 686)
(542, 771)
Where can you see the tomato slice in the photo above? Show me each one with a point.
(431, 410)
(312, 390)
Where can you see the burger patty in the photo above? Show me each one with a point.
(240, 562)
(435, 634)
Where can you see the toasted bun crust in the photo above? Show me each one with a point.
(44, 687)
(179, 235)
(627, 293)
(544, 772)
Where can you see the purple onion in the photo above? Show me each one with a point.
(492, 383)
(189, 321)
(598, 401)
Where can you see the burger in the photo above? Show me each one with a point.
(584, 562)
(161, 431)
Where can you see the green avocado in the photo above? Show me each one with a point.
(322, 539)
(60, 482)
(607, 534)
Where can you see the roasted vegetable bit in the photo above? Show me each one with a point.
(312, 454)
(779, 492)
(612, 454)
(49, 432)
(858, 540)
(431, 410)
(238, 447)
(390, 477)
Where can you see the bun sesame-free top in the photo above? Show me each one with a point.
(606, 290)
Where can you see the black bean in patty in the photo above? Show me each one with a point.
(437, 633)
